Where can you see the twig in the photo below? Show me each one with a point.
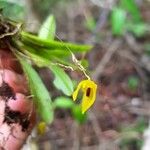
(104, 3)
(102, 64)
(103, 17)
(135, 47)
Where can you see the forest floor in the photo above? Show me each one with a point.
(121, 68)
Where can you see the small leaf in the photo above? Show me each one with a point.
(118, 18)
(139, 29)
(90, 23)
(48, 29)
(62, 80)
(132, 8)
(133, 82)
(63, 102)
(42, 98)
(77, 114)
(32, 40)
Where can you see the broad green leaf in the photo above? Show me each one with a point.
(48, 29)
(33, 40)
(62, 80)
(118, 18)
(63, 102)
(41, 98)
(132, 8)
(77, 114)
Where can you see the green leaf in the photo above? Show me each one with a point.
(84, 63)
(118, 18)
(12, 10)
(64, 62)
(42, 98)
(132, 8)
(48, 29)
(77, 114)
(46, 54)
(3, 4)
(62, 80)
(37, 59)
(32, 40)
(44, 58)
(138, 29)
(63, 102)
(140, 125)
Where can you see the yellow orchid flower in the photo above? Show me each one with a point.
(89, 89)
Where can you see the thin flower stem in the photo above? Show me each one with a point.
(76, 62)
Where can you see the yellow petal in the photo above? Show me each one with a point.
(89, 96)
(41, 128)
